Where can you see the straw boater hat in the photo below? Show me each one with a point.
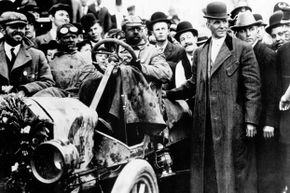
(216, 10)
(245, 19)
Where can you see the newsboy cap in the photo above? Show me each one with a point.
(240, 7)
(132, 21)
(216, 10)
(60, 6)
(11, 17)
(184, 26)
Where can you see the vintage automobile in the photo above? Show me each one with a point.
(62, 145)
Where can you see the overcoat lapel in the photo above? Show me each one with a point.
(204, 59)
(223, 54)
(22, 57)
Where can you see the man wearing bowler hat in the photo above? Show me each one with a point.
(187, 36)
(246, 29)
(226, 86)
(24, 70)
(277, 30)
(59, 14)
(160, 25)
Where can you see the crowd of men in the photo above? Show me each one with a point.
(234, 82)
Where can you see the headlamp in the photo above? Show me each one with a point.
(52, 159)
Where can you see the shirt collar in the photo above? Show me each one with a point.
(8, 47)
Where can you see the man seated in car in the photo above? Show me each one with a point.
(69, 67)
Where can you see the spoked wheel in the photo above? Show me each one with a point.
(136, 177)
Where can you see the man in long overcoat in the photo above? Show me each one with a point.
(226, 85)
(246, 29)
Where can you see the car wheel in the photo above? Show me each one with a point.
(136, 177)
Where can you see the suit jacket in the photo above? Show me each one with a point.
(267, 61)
(228, 97)
(103, 16)
(30, 71)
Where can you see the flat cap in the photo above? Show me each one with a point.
(11, 17)
(132, 21)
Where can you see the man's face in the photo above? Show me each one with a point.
(60, 17)
(161, 31)
(95, 32)
(278, 35)
(248, 34)
(134, 34)
(30, 31)
(68, 42)
(188, 41)
(218, 27)
(14, 33)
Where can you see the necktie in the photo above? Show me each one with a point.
(13, 56)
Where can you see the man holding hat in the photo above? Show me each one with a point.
(160, 24)
(226, 86)
(187, 36)
(246, 29)
(24, 70)
(59, 14)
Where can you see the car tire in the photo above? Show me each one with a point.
(137, 176)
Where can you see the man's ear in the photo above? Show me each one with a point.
(51, 18)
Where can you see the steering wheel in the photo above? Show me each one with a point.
(115, 53)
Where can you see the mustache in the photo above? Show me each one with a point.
(18, 33)
(188, 44)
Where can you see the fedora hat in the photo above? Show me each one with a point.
(184, 26)
(158, 17)
(240, 7)
(216, 10)
(245, 19)
(274, 21)
(258, 17)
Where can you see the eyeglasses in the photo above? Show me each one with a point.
(66, 30)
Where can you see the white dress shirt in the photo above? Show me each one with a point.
(7, 49)
(216, 45)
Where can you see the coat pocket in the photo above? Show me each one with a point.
(231, 69)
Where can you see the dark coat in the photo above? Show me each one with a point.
(234, 99)
(267, 61)
(103, 16)
(30, 71)
(283, 59)
(173, 54)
